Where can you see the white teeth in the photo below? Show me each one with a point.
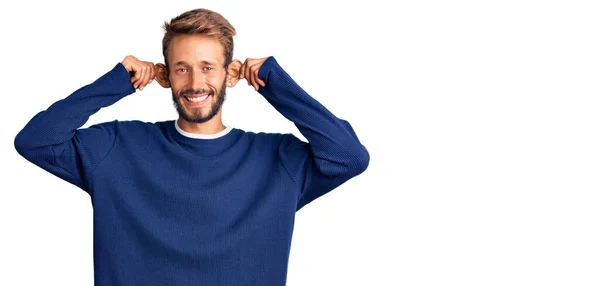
(197, 99)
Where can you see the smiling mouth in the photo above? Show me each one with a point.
(196, 99)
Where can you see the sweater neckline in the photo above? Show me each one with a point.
(205, 146)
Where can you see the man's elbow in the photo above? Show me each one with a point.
(365, 158)
(19, 144)
(24, 146)
(360, 161)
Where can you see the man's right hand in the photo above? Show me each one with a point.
(141, 73)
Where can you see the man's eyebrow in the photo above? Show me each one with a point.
(202, 62)
(208, 63)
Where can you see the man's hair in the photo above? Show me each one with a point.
(200, 22)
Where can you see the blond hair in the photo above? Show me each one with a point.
(200, 22)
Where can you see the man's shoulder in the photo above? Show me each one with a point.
(273, 137)
(132, 126)
(264, 134)
(141, 124)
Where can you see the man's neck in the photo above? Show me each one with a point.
(213, 126)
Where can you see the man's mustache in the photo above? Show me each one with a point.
(200, 92)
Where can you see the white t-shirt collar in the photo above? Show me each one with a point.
(202, 136)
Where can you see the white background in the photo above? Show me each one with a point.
(482, 119)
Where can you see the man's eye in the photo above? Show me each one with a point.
(181, 70)
(208, 69)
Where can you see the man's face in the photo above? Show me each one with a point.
(197, 75)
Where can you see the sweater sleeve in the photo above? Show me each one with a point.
(53, 139)
(333, 153)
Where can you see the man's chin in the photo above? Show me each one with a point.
(196, 117)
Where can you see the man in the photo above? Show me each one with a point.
(191, 201)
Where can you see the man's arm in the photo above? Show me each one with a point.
(333, 153)
(52, 140)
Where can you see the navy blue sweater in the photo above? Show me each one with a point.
(170, 209)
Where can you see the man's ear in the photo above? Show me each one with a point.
(233, 73)
(161, 75)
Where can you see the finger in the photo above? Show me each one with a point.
(146, 78)
(150, 76)
(260, 81)
(254, 76)
(145, 75)
(242, 69)
(247, 72)
(141, 78)
(136, 75)
(139, 74)
(152, 73)
(255, 79)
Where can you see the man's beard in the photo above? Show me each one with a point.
(198, 117)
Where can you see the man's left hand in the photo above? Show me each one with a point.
(249, 71)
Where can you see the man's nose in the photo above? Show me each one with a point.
(198, 80)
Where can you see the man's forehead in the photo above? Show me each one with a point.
(196, 50)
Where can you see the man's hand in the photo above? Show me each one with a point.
(142, 73)
(249, 71)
